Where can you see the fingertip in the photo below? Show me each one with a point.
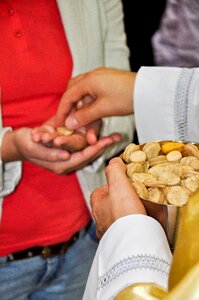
(116, 137)
(62, 155)
(105, 142)
(46, 138)
(49, 128)
(91, 136)
(71, 122)
(112, 160)
(57, 155)
(35, 138)
(116, 170)
(116, 160)
(34, 130)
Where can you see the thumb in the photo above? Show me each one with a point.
(68, 102)
(86, 115)
(116, 174)
(121, 187)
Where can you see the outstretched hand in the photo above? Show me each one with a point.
(116, 199)
(18, 145)
(48, 135)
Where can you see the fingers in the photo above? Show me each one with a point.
(75, 79)
(44, 133)
(82, 158)
(43, 128)
(91, 136)
(87, 115)
(86, 100)
(94, 151)
(107, 87)
(62, 162)
(75, 142)
(48, 154)
(97, 196)
(74, 96)
(116, 173)
(126, 199)
(69, 99)
(43, 137)
(101, 209)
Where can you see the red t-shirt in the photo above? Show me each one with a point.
(35, 65)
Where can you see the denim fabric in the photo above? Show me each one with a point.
(60, 277)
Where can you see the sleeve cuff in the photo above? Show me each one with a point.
(10, 173)
(134, 249)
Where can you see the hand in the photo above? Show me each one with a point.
(116, 199)
(77, 141)
(18, 145)
(82, 158)
(112, 90)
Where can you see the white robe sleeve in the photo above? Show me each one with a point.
(166, 104)
(134, 249)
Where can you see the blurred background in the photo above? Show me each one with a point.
(142, 18)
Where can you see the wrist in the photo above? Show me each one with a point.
(8, 147)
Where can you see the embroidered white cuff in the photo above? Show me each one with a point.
(134, 249)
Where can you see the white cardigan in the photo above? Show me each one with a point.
(95, 32)
(135, 249)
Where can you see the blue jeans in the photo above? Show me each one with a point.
(61, 277)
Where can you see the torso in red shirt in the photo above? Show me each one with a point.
(35, 65)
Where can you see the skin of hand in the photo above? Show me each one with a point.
(112, 90)
(17, 145)
(79, 140)
(84, 139)
(116, 199)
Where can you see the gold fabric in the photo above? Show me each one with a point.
(186, 251)
(187, 288)
(142, 291)
(184, 274)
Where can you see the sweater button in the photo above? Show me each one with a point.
(18, 34)
(10, 11)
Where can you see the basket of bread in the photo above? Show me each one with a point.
(164, 174)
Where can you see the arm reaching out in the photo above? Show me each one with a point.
(133, 248)
(110, 88)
